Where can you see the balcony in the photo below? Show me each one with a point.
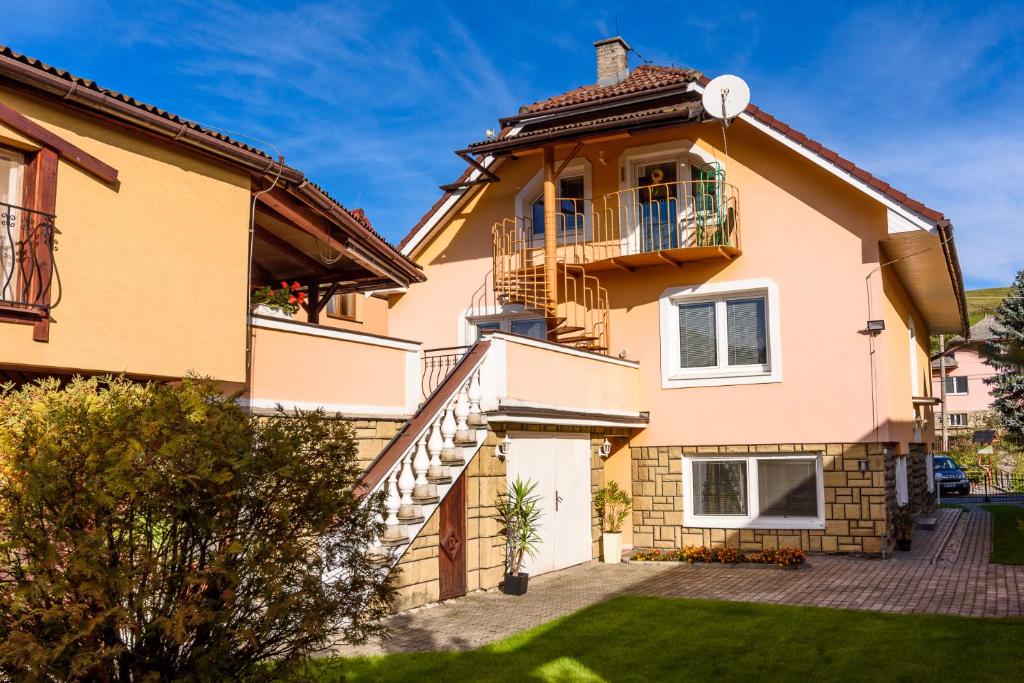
(27, 272)
(649, 225)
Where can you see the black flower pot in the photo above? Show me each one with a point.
(515, 584)
(903, 544)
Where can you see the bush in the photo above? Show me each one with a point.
(728, 555)
(612, 506)
(790, 557)
(150, 531)
(765, 556)
(696, 553)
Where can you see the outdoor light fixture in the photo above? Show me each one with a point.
(605, 449)
(503, 448)
(875, 326)
(862, 465)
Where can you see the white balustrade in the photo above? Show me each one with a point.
(392, 503)
(434, 447)
(462, 433)
(476, 417)
(448, 429)
(421, 465)
(406, 485)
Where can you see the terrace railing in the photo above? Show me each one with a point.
(28, 275)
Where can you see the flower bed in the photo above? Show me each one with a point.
(786, 558)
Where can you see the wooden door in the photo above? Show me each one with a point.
(452, 555)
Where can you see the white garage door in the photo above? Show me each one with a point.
(560, 465)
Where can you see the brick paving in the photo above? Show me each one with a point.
(910, 582)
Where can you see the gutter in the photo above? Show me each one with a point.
(945, 229)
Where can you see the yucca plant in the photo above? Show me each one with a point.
(612, 506)
(519, 515)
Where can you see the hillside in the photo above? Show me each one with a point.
(982, 302)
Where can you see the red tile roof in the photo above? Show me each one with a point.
(649, 77)
(642, 79)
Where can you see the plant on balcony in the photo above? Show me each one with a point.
(286, 299)
(612, 506)
(519, 516)
(159, 532)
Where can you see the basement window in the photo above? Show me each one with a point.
(769, 492)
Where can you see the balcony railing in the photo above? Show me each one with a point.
(28, 276)
(438, 364)
(681, 221)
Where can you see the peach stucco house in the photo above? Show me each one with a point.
(968, 396)
(606, 293)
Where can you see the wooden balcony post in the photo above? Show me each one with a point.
(313, 303)
(550, 232)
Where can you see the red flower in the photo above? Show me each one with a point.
(295, 286)
(284, 284)
(292, 299)
(302, 297)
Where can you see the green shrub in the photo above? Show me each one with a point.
(158, 532)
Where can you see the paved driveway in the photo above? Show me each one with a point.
(947, 573)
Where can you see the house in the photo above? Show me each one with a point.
(968, 396)
(730, 322)
(693, 311)
(131, 238)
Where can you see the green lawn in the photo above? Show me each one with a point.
(641, 639)
(1007, 534)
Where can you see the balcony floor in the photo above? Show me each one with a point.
(673, 257)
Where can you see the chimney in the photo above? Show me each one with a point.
(612, 60)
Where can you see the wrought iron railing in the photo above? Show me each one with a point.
(438, 364)
(28, 275)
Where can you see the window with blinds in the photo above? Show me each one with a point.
(698, 346)
(720, 487)
(724, 333)
(956, 385)
(766, 492)
(787, 488)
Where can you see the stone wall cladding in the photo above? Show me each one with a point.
(417, 580)
(859, 505)
(921, 499)
(372, 434)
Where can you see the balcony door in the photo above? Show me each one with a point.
(659, 204)
(10, 220)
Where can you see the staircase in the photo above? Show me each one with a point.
(417, 468)
(576, 312)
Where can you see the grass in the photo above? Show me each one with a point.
(1007, 534)
(951, 506)
(982, 302)
(644, 638)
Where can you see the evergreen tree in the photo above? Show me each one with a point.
(1004, 356)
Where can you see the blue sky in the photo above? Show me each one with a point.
(370, 99)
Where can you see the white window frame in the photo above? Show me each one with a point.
(902, 483)
(503, 315)
(752, 520)
(527, 196)
(673, 376)
(954, 378)
(951, 423)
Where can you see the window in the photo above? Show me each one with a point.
(525, 326)
(10, 221)
(570, 209)
(719, 334)
(343, 306)
(958, 419)
(760, 492)
(744, 336)
(956, 385)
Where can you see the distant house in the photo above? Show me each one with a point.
(968, 397)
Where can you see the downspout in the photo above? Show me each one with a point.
(942, 392)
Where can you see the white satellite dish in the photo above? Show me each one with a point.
(726, 96)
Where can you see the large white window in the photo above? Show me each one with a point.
(956, 385)
(769, 492)
(720, 333)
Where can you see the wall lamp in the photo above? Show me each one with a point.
(875, 326)
(605, 449)
(503, 448)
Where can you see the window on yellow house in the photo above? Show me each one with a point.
(10, 219)
(343, 306)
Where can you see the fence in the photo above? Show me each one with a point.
(438, 364)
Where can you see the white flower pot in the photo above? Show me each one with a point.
(611, 548)
(271, 312)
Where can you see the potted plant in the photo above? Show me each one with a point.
(280, 302)
(904, 527)
(612, 505)
(519, 516)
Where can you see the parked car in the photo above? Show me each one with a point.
(950, 477)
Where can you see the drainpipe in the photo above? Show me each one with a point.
(942, 392)
(550, 235)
